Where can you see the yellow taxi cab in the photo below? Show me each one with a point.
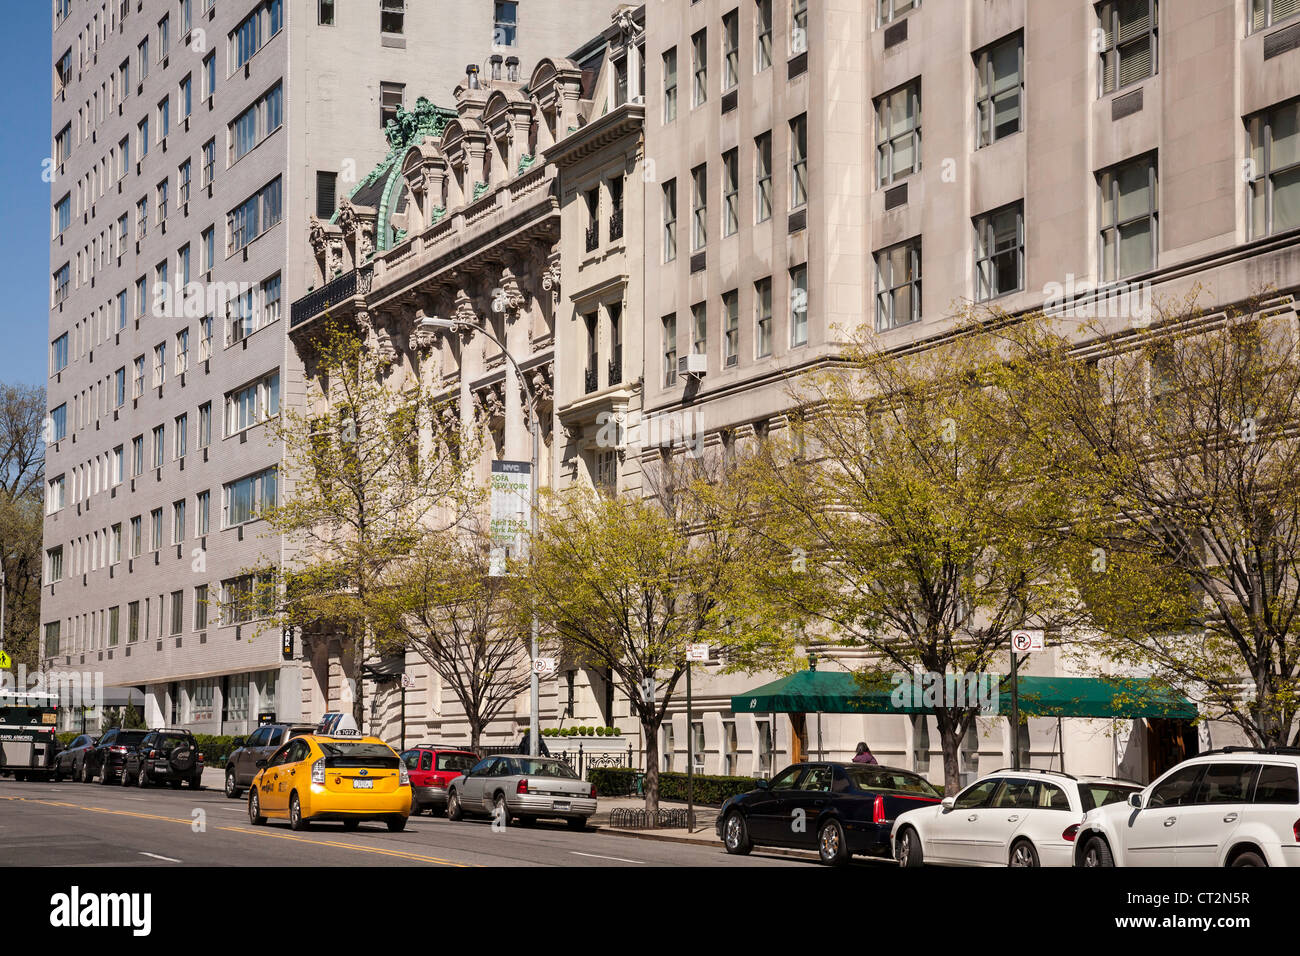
(340, 776)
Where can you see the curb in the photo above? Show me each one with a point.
(808, 855)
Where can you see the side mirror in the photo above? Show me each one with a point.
(1135, 800)
(948, 802)
(239, 741)
(261, 763)
(762, 785)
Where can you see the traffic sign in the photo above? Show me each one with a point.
(407, 681)
(1022, 642)
(544, 666)
(697, 652)
(5, 662)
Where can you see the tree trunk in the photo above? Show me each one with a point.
(650, 734)
(475, 735)
(358, 695)
(950, 735)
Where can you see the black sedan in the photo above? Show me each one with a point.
(164, 756)
(837, 809)
(108, 756)
(71, 760)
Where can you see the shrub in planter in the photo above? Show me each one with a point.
(612, 781)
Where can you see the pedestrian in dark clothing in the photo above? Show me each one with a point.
(864, 755)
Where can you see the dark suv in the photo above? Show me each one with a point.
(164, 756)
(241, 765)
(107, 757)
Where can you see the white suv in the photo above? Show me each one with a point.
(1009, 818)
(1231, 807)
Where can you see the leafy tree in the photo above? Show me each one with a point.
(374, 463)
(903, 519)
(1179, 439)
(22, 472)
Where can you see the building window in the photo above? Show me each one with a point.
(178, 521)
(762, 35)
(270, 302)
(889, 10)
(254, 216)
(62, 280)
(999, 252)
(999, 88)
(133, 622)
(799, 161)
(505, 23)
(54, 565)
(245, 598)
(763, 318)
(1129, 42)
(898, 285)
(181, 436)
(326, 194)
(670, 220)
(159, 364)
(730, 328)
(159, 445)
(114, 623)
(208, 239)
(209, 161)
(763, 177)
(209, 75)
(59, 354)
(898, 133)
(63, 214)
(246, 498)
(798, 26)
(183, 182)
(670, 85)
(699, 329)
(391, 98)
(700, 67)
(201, 607)
(252, 404)
(256, 123)
(137, 543)
(730, 192)
(256, 30)
(205, 425)
(178, 621)
(156, 529)
(202, 512)
(670, 350)
(1273, 169)
(730, 50)
(1128, 215)
(798, 306)
(1265, 13)
(137, 456)
(699, 207)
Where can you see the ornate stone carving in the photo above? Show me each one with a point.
(463, 314)
(551, 277)
(509, 298)
(385, 351)
(365, 280)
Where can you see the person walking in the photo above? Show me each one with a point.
(864, 755)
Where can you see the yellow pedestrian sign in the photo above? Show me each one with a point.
(5, 662)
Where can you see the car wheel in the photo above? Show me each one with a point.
(232, 791)
(500, 812)
(907, 848)
(1097, 853)
(143, 778)
(84, 776)
(196, 782)
(1023, 854)
(396, 824)
(106, 777)
(1248, 858)
(255, 809)
(125, 779)
(296, 822)
(832, 847)
(351, 824)
(454, 811)
(58, 774)
(735, 834)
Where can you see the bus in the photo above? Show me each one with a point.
(27, 734)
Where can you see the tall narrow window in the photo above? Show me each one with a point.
(798, 26)
(505, 23)
(391, 98)
(898, 133)
(730, 50)
(699, 329)
(730, 192)
(798, 306)
(763, 177)
(670, 350)
(325, 12)
(888, 10)
(1127, 195)
(999, 252)
(898, 285)
(1129, 42)
(326, 193)
(670, 85)
(799, 160)
(1273, 169)
(700, 67)
(762, 35)
(699, 207)
(730, 328)
(763, 317)
(1265, 13)
(670, 220)
(999, 87)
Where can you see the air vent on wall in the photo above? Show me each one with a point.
(1283, 41)
(1126, 105)
(896, 197)
(896, 34)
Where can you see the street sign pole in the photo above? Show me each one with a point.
(690, 753)
(1015, 711)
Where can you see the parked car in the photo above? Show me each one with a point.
(164, 756)
(1009, 818)
(346, 778)
(71, 761)
(517, 786)
(837, 809)
(106, 758)
(432, 769)
(1239, 806)
(241, 765)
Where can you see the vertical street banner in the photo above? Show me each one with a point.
(511, 491)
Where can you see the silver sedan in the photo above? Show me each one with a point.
(518, 787)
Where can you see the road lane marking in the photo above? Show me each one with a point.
(157, 857)
(400, 854)
(597, 856)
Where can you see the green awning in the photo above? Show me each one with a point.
(840, 692)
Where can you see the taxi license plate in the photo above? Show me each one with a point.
(561, 805)
(363, 785)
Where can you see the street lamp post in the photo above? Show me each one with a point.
(432, 324)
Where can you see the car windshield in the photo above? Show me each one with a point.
(172, 740)
(880, 780)
(541, 768)
(455, 761)
(1103, 794)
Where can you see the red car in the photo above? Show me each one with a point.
(431, 768)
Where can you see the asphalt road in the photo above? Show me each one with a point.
(72, 824)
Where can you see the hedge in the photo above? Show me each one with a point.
(620, 781)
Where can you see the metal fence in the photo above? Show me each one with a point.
(580, 760)
(629, 818)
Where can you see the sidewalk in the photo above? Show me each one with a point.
(702, 834)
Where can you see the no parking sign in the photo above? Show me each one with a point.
(1022, 642)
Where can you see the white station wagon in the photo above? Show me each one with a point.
(1009, 818)
(1230, 807)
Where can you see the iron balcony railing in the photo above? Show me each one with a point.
(616, 366)
(591, 380)
(593, 236)
(314, 303)
(616, 224)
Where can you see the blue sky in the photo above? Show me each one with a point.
(25, 76)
